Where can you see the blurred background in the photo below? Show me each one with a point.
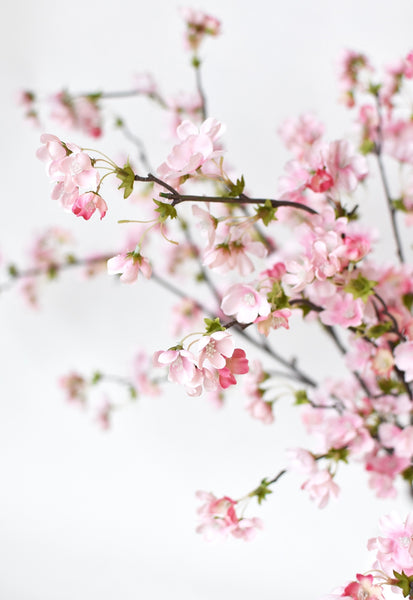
(89, 514)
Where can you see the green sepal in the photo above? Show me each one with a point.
(266, 213)
(52, 271)
(407, 474)
(374, 88)
(338, 454)
(277, 297)
(367, 146)
(398, 204)
(213, 325)
(119, 122)
(236, 189)
(408, 301)
(165, 210)
(196, 63)
(261, 491)
(12, 270)
(132, 392)
(94, 97)
(127, 177)
(404, 582)
(96, 377)
(388, 386)
(378, 330)
(301, 397)
(361, 287)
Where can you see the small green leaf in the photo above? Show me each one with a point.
(398, 204)
(261, 491)
(407, 474)
(266, 213)
(301, 397)
(132, 392)
(13, 272)
(367, 146)
(195, 62)
(165, 210)
(213, 325)
(378, 330)
(361, 287)
(127, 177)
(94, 97)
(277, 297)
(96, 377)
(374, 88)
(236, 189)
(338, 454)
(404, 582)
(408, 301)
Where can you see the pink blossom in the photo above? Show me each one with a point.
(275, 320)
(144, 83)
(364, 589)
(403, 358)
(245, 303)
(301, 133)
(215, 349)
(181, 365)
(75, 386)
(199, 24)
(237, 364)
(81, 113)
(320, 487)
(195, 148)
(394, 548)
(343, 310)
(103, 414)
(129, 264)
(345, 166)
(233, 254)
(261, 410)
(218, 516)
(321, 181)
(86, 204)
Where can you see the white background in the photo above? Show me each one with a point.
(92, 515)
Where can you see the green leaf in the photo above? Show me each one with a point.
(13, 272)
(378, 330)
(132, 392)
(235, 189)
(96, 377)
(165, 210)
(277, 297)
(361, 287)
(262, 491)
(398, 204)
(408, 301)
(301, 397)
(94, 97)
(390, 385)
(367, 146)
(404, 582)
(407, 474)
(127, 177)
(266, 213)
(338, 454)
(213, 325)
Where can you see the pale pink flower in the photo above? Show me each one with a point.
(141, 378)
(75, 386)
(198, 25)
(197, 145)
(215, 349)
(363, 589)
(261, 410)
(144, 83)
(245, 303)
(181, 364)
(231, 255)
(218, 516)
(185, 314)
(394, 548)
(128, 265)
(299, 134)
(275, 320)
(103, 414)
(345, 166)
(80, 112)
(403, 358)
(343, 310)
(384, 469)
(320, 487)
(86, 204)
(301, 461)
